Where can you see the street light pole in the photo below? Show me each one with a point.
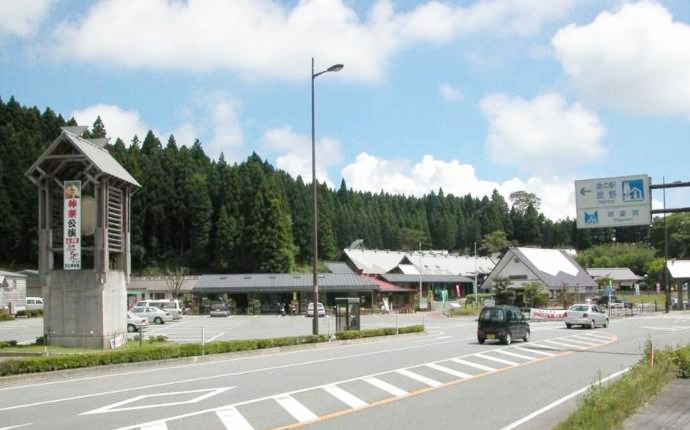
(314, 184)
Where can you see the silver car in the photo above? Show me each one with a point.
(153, 314)
(585, 315)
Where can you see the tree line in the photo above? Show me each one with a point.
(211, 216)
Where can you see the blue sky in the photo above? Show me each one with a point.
(467, 96)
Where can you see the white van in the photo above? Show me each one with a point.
(172, 306)
(34, 303)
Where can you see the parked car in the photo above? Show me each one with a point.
(503, 323)
(321, 309)
(219, 310)
(604, 301)
(153, 314)
(135, 322)
(585, 315)
(172, 306)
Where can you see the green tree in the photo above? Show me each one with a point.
(502, 291)
(495, 242)
(535, 295)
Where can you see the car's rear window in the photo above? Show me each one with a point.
(492, 314)
(579, 308)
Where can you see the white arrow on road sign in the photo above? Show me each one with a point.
(116, 407)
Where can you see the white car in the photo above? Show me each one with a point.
(585, 315)
(135, 322)
(152, 313)
(320, 309)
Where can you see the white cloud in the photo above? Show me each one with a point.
(215, 123)
(118, 122)
(541, 135)
(636, 60)
(21, 18)
(295, 154)
(227, 136)
(372, 174)
(263, 38)
(450, 93)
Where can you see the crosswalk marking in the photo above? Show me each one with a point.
(232, 419)
(449, 371)
(497, 360)
(534, 351)
(158, 425)
(472, 364)
(296, 409)
(514, 354)
(349, 399)
(567, 345)
(417, 377)
(596, 336)
(385, 386)
(590, 343)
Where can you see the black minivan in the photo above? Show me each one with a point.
(502, 322)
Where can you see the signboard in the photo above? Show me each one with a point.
(613, 202)
(72, 226)
(546, 314)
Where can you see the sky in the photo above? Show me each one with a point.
(463, 96)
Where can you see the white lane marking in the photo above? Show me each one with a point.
(215, 337)
(115, 407)
(300, 412)
(385, 386)
(472, 364)
(598, 341)
(157, 425)
(15, 427)
(541, 345)
(203, 378)
(552, 405)
(514, 354)
(590, 343)
(596, 336)
(567, 345)
(534, 351)
(420, 378)
(232, 419)
(497, 360)
(348, 398)
(371, 378)
(449, 371)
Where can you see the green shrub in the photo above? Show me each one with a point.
(605, 407)
(681, 359)
(5, 315)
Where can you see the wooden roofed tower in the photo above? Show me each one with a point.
(84, 247)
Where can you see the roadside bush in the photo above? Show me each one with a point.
(681, 358)
(605, 407)
(8, 344)
(5, 315)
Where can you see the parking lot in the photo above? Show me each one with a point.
(192, 328)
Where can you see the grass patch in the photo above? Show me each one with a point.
(158, 349)
(605, 407)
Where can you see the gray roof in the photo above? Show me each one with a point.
(339, 267)
(614, 273)
(12, 274)
(427, 279)
(282, 283)
(679, 269)
(93, 151)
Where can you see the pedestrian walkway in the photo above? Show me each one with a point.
(670, 410)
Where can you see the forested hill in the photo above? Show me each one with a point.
(213, 217)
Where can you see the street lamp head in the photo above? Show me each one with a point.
(335, 68)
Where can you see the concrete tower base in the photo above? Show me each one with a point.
(82, 312)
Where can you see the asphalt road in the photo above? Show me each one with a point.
(443, 379)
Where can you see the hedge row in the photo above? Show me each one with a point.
(147, 352)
